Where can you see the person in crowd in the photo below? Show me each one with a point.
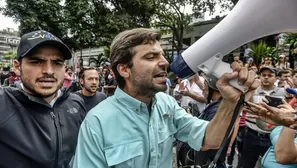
(39, 122)
(111, 84)
(294, 79)
(285, 75)
(257, 140)
(283, 152)
(68, 77)
(89, 80)
(282, 64)
(175, 93)
(236, 58)
(186, 155)
(214, 98)
(137, 125)
(254, 68)
(4, 74)
(192, 95)
(12, 79)
(249, 63)
(267, 62)
(168, 83)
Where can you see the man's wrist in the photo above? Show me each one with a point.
(229, 103)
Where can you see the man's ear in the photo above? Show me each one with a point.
(81, 81)
(17, 67)
(123, 70)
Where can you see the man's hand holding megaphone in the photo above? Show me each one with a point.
(231, 96)
(245, 78)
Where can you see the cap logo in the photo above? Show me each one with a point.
(42, 35)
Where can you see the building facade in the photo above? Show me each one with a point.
(9, 41)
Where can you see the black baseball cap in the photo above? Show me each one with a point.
(30, 41)
(211, 81)
(268, 68)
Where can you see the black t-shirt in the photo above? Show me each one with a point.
(92, 101)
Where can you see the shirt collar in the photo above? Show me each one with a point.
(273, 91)
(131, 102)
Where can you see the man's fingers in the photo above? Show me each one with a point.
(253, 104)
(235, 67)
(252, 116)
(244, 79)
(269, 108)
(224, 80)
(265, 100)
(251, 111)
(255, 85)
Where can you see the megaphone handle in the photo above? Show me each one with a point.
(216, 66)
(235, 84)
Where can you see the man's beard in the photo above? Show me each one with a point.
(143, 87)
(90, 90)
(29, 86)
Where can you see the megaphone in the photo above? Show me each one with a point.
(248, 21)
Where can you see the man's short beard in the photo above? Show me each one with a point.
(38, 94)
(33, 91)
(89, 90)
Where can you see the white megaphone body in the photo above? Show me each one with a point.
(248, 21)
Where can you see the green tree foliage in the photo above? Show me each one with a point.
(173, 17)
(135, 11)
(209, 5)
(10, 55)
(259, 51)
(94, 23)
(291, 39)
(262, 50)
(36, 14)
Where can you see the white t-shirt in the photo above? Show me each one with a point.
(194, 88)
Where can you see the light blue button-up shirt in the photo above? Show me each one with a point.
(120, 132)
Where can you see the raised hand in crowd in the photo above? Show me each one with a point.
(284, 114)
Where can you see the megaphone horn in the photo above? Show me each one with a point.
(248, 20)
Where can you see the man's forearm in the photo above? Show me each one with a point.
(217, 127)
(285, 148)
(197, 97)
(235, 132)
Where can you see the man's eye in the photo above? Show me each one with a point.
(36, 62)
(58, 63)
(150, 56)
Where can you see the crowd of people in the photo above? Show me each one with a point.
(123, 115)
(252, 139)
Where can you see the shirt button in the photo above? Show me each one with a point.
(136, 110)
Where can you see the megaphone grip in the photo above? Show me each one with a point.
(235, 84)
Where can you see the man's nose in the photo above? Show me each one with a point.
(163, 62)
(47, 68)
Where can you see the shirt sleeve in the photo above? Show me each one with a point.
(275, 134)
(189, 129)
(89, 150)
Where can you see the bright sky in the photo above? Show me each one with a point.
(6, 22)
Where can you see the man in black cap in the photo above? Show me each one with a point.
(257, 139)
(39, 122)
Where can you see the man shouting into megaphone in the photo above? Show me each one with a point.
(137, 125)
